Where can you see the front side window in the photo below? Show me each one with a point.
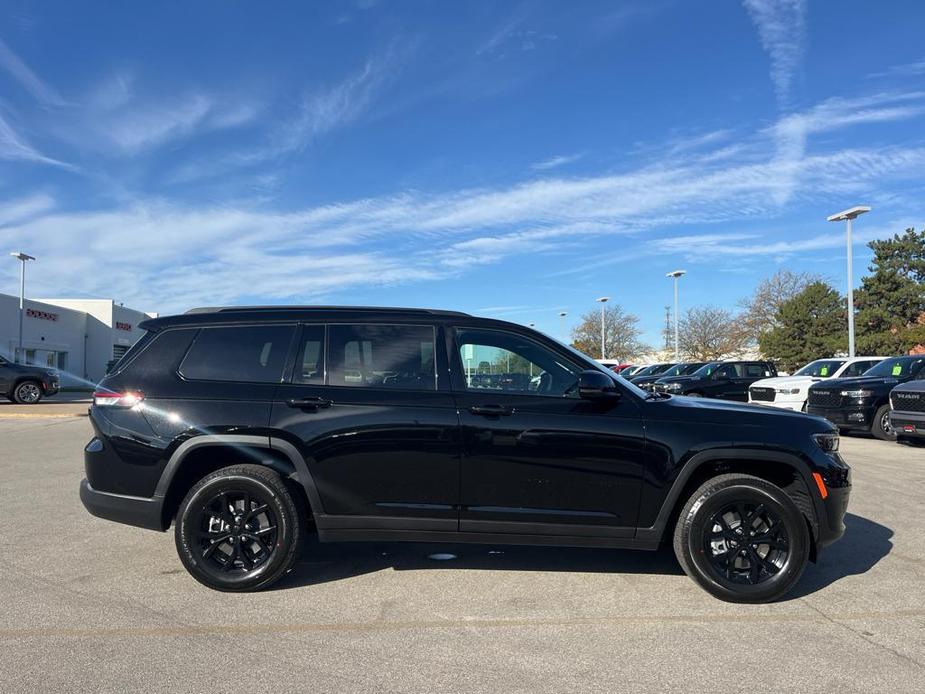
(382, 356)
(499, 361)
(252, 354)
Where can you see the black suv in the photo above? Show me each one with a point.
(683, 369)
(863, 403)
(728, 380)
(247, 427)
(26, 384)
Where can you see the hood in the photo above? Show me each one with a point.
(916, 386)
(800, 382)
(856, 383)
(740, 413)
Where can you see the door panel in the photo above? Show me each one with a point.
(541, 462)
(379, 449)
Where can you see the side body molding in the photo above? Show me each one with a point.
(304, 476)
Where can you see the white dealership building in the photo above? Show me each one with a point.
(79, 337)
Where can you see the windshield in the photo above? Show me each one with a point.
(821, 368)
(646, 371)
(682, 369)
(897, 367)
(705, 370)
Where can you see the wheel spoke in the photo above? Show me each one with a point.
(256, 512)
(210, 550)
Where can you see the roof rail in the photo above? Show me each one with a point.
(357, 309)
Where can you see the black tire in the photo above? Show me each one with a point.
(28, 392)
(239, 529)
(762, 571)
(695, 394)
(881, 426)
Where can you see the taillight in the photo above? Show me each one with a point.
(108, 398)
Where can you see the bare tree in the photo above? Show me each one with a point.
(759, 311)
(707, 333)
(621, 334)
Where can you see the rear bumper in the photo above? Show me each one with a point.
(131, 510)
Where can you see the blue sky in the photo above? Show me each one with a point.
(509, 159)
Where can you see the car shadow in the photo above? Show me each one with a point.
(865, 543)
(324, 562)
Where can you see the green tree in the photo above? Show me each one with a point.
(811, 325)
(621, 334)
(891, 301)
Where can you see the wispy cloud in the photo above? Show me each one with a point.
(904, 70)
(14, 147)
(43, 92)
(556, 162)
(781, 27)
(22, 209)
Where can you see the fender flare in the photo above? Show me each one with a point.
(656, 532)
(303, 474)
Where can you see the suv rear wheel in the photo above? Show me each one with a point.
(742, 539)
(239, 529)
(27, 393)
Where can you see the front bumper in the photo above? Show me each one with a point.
(131, 510)
(908, 424)
(832, 526)
(850, 417)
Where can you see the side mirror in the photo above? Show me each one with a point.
(594, 385)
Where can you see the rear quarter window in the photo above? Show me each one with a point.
(252, 354)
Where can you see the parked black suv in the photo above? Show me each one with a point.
(683, 369)
(863, 403)
(26, 384)
(728, 380)
(247, 427)
(907, 411)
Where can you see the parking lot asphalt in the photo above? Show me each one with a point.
(88, 605)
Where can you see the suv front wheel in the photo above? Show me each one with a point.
(239, 529)
(27, 393)
(742, 539)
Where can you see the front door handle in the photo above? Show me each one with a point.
(492, 410)
(313, 404)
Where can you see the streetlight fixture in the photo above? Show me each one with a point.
(562, 315)
(603, 300)
(676, 275)
(849, 216)
(22, 257)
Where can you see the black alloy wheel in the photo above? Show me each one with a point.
(882, 427)
(742, 539)
(239, 529)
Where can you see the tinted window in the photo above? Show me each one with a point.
(899, 367)
(824, 368)
(857, 368)
(381, 356)
(254, 354)
(756, 371)
(495, 360)
(309, 365)
(726, 371)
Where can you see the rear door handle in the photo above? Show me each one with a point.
(492, 410)
(309, 403)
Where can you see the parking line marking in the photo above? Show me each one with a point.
(253, 629)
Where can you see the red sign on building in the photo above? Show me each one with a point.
(44, 315)
(123, 326)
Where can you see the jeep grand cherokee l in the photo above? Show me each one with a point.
(246, 428)
(863, 404)
(26, 384)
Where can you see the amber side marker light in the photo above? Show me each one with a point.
(823, 492)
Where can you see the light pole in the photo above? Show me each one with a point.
(850, 215)
(22, 257)
(603, 300)
(562, 315)
(676, 275)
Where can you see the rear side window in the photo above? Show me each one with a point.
(756, 371)
(254, 354)
(381, 356)
(857, 368)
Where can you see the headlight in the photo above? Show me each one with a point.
(828, 441)
(787, 391)
(673, 386)
(856, 393)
